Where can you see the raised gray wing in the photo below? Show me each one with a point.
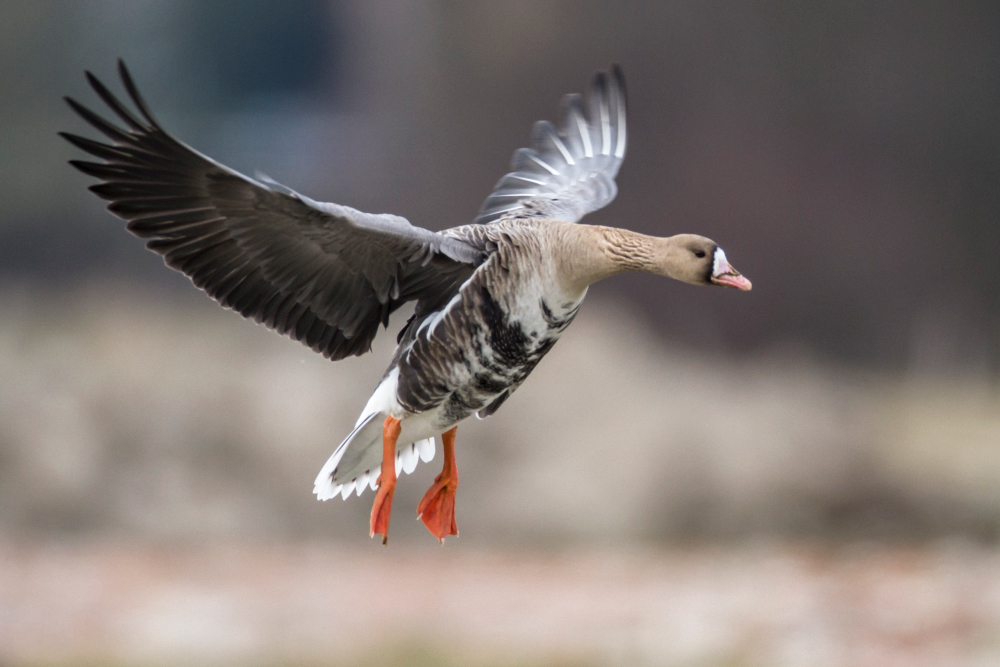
(570, 172)
(324, 274)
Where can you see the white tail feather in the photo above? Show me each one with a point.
(426, 449)
(324, 486)
(355, 457)
(410, 458)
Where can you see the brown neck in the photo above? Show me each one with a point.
(592, 253)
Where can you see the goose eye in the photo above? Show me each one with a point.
(699, 253)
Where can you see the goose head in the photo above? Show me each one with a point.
(588, 254)
(699, 261)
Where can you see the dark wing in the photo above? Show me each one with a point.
(324, 274)
(570, 172)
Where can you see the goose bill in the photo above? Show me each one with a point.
(725, 275)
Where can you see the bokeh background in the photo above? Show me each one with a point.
(807, 474)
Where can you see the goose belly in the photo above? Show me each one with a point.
(474, 354)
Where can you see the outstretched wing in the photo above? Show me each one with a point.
(570, 172)
(324, 274)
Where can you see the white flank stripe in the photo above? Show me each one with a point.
(440, 315)
(383, 399)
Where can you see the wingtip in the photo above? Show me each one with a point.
(619, 78)
(601, 80)
(92, 147)
(133, 92)
(124, 74)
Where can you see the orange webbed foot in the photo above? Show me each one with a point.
(437, 509)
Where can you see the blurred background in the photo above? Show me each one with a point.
(808, 474)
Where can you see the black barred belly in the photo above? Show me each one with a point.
(496, 356)
(476, 358)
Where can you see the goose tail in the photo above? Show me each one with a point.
(356, 463)
(329, 483)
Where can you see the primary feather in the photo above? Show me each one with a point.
(571, 171)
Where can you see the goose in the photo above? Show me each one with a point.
(492, 297)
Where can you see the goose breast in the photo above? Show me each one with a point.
(472, 354)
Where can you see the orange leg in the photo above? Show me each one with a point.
(382, 507)
(437, 509)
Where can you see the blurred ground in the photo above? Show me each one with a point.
(126, 412)
(324, 604)
(157, 456)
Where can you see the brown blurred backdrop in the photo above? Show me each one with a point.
(846, 155)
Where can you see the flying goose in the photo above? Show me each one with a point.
(491, 297)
